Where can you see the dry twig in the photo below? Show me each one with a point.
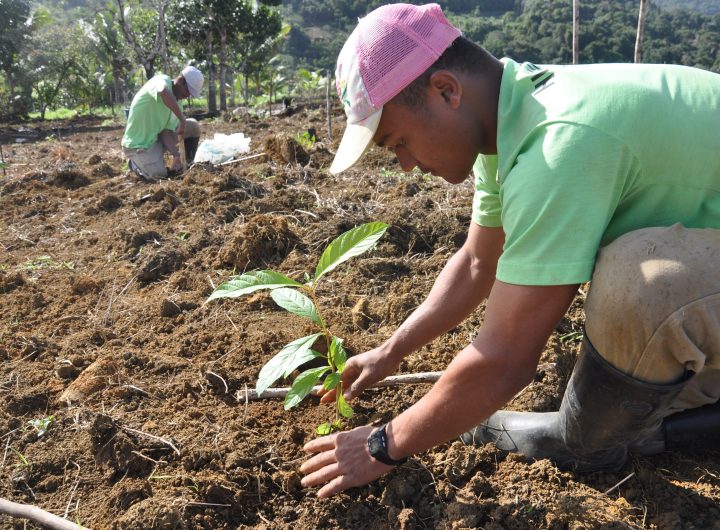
(37, 515)
(404, 379)
(153, 437)
(73, 489)
(620, 483)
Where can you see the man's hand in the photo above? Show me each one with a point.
(362, 371)
(181, 129)
(343, 461)
(177, 164)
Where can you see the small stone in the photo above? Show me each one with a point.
(168, 308)
(67, 371)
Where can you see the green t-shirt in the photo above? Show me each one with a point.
(587, 153)
(149, 116)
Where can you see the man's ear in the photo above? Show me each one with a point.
(446, 84)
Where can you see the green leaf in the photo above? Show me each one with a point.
(331, 381)
(345, 410)
(251, 282)
(3, 165)
(338, 355)
(296, 302)
(324, 429)
(41, 426)
(303, 385)
(286, 360)
(350, 244)
(329, 428)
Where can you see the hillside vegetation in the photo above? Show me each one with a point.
(535, 30)
(256, 53)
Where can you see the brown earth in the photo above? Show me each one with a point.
(103, 280)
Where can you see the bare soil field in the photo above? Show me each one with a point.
(103, 279)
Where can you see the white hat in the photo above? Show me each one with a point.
(194, 79)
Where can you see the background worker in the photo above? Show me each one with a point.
(603, 171)
(156, 122)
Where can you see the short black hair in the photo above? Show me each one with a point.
(463, 55)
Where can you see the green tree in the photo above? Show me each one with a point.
(14, 15)
(108, 46)
(221, 26)
(144, 31)
(47, 65)
(257, 45)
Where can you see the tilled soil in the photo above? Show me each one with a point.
(104, 328)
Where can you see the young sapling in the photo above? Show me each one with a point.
(301, 299)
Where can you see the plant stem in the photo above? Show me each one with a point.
(328, 341)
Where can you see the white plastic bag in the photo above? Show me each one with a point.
(222, 147)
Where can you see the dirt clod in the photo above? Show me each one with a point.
(93, 379)
(263, 240)
(286, 149)
(149, 514)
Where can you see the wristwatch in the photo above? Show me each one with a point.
(378, 447)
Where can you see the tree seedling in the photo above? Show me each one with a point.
(307, 139)
(41, 425)
(24, 462)
(47, 262)
(301, 299)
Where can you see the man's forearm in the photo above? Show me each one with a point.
(170, 141)
(486, 374)
(171, 103)
(471, 389)
(459, 289)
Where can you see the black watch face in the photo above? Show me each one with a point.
(374, 444)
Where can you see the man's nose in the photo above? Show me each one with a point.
(406, 161)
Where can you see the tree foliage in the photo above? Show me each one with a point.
(272, 50)
(533, 30)
(708, 7)
(14, 15)
(226, 34)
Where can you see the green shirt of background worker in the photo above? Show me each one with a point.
(602, 172)
(156, 122)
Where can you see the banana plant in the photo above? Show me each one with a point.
(301, 299)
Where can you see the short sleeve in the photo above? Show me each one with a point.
(156, 85)
(486, 199)
(557, 201)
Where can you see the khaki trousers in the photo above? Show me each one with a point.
(151, 161)
(653, 310)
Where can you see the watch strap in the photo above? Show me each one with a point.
(378, 447)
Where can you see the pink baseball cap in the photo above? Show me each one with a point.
(387, 51)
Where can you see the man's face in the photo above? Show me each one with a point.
(183, 92)
(432, 138)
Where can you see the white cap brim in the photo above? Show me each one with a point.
(355, 141)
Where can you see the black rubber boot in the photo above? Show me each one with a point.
(191, 145)
(603, 411)
(687, 430)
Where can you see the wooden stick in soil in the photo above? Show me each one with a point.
(394, 380)
(327, 106)
(181, 142)
(241, 159)
(2, 159)
(37, 515)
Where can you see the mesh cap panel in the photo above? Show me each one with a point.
(374, 68)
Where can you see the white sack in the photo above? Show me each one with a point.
(222, 147)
